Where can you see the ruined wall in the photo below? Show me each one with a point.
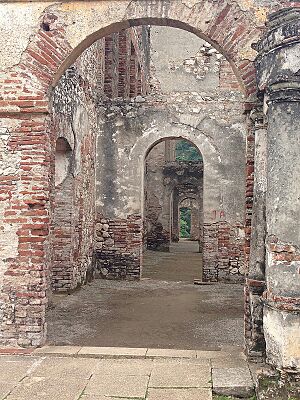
(127, 64)
(73, 199)
(196, 75)
(103, 71)
(194, 204)
(118, 235)
(157, 194)
(278, 69)
(186, 101)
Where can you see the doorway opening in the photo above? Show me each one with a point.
(185, 222)
(144, 126)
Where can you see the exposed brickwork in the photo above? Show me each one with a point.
(228, 79)
(73, 200)
(25, 210)
(223, 252)
(118, 247)
(126, 63)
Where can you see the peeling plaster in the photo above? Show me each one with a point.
(22, 16)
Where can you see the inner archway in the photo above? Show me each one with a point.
(173, 171)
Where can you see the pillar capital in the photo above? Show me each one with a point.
(278, 62)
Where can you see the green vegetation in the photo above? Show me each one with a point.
(185, 222)
(186, 151)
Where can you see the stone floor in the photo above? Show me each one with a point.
(164, 310)
(73, 373)
(183, 263)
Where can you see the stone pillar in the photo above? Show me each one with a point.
(195, 220)
(255, 279)
(170, 150)
(175, 219)
(278, 67)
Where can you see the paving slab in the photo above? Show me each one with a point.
(179, 394)
(232, 382)
(37, 388)
(14, 368)
(58, 350)
(94, 397)
(181, 375)
(170, 353)
(113, 352)
(129, 367)
(220, 354)
(54, 367)
(237, 351)
(5, 388)
(229, 362)
(119, 386)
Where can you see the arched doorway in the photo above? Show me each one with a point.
(173, 170)
(122, 227)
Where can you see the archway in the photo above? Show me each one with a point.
(173, 170)
(53, 35)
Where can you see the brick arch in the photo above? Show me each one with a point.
(244, 71)
(66, 31)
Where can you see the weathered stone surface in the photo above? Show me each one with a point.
(179, 394)
(114, 352)
(232, 382)
(180, 375)
(119, 386)
(174, 353)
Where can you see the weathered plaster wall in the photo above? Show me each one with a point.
(204, 113)
(183, 64)
(157, 195)
(74, 119)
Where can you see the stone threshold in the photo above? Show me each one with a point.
(139, 353)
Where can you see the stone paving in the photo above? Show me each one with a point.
(73, 373)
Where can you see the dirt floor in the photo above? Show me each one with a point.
(164, 310)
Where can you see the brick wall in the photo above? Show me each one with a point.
(228, 79)
(126, 63)
(223, 252)
(118, 247)
(73, 199)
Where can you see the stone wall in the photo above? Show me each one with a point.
(187, 100)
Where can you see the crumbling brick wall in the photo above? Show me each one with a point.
(118, 237)
(73, 200)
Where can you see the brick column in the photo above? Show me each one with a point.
(24, 228)
(278, 68)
